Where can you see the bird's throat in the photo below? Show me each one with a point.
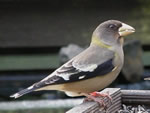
(120, 40)
(99, 43)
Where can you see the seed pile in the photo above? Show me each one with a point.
(134, 109)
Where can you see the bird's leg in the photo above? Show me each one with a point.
(103, 95)
(90, 97)
(93, 98)
(98, 94)
(97, 97)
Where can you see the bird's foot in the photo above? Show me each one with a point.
(100, 101)
(98, 97)
(98, 94)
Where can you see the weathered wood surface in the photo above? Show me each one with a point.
(136, 97)
(93, 107)
(39, 104)
(147, 78)
(119, 97)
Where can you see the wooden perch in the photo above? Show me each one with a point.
(119, 97)
(94, 107)
(136, 97)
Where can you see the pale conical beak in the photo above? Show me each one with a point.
(125, 30)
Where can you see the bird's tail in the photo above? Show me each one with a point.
(23, 92)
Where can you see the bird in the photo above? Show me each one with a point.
(91, 70)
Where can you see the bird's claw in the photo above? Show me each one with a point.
(98, 97)
(98, 94)
(95, 99)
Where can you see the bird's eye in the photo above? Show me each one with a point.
(112, 26)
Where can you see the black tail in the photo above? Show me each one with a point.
(23, 92)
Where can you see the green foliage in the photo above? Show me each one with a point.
(145, 7)
(140, 20)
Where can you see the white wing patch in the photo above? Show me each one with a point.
(86, 68)
(31, 87)
(81, 77)
(90, 68)
(65, 76)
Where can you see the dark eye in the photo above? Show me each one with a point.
(112, 26)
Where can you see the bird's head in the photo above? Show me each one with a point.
(111, 32)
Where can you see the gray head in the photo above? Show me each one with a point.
(111, 32)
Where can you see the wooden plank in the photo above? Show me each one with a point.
(136, 97)
(93, 107)
(39, 61)
(39, 104)
(148, 78)
(28, 62)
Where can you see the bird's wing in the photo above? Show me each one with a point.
(80, 69)
(86, 65)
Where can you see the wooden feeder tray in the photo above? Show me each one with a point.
(119, 97)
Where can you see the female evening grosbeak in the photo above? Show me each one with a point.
(94, 68)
